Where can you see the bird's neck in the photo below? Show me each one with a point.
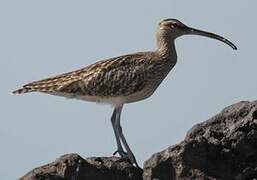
(166, 46)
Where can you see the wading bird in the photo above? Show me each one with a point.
(123, 79)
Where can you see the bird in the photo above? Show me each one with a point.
(122, 79)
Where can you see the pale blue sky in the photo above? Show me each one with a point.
(43, 38)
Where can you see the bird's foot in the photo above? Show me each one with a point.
(128, 156)
(122, 153)
(132, 159)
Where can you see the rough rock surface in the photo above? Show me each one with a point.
(223, 147)
(73, 167)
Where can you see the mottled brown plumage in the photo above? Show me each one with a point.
(123, 79)
(132, 77)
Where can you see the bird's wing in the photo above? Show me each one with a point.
(122, 75)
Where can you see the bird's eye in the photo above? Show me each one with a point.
(174, 24)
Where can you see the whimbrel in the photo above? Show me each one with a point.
(123, 79)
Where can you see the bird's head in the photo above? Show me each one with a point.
(173, 28)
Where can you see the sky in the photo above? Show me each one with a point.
(39, 39)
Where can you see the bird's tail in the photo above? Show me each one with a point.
(22, 91)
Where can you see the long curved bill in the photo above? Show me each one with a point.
(210, 35)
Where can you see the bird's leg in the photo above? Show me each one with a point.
(120, 134)
(120, 150)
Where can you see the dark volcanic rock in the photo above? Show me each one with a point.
(73, 167)
(223, 147)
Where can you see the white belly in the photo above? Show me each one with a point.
(114, 101)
